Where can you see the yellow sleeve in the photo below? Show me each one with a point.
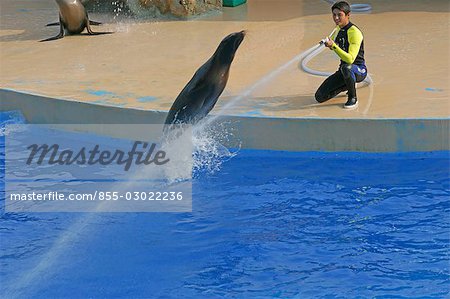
(355, 38)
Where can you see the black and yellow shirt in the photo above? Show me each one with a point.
(349, 44)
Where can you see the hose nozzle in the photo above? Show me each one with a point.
(323, 41)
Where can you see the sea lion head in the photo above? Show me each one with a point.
(228, 47)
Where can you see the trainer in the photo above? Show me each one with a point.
(348, 43)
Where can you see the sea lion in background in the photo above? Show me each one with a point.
(73, 18)
(200, 95)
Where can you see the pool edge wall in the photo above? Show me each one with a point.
(289, 134)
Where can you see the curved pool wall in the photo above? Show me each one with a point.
(255, 132)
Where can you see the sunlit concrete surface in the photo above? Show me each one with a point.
(146, 63)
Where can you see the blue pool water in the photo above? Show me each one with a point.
(267, 224)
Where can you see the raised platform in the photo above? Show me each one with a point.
(134, 75)
(282, 133)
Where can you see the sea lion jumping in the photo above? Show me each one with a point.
(200, 94)
(73, 18)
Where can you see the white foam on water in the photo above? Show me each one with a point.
(10, 126)
(209, 154)
(195, 150)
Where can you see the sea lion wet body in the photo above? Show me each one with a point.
(201, 93)
(73, 19)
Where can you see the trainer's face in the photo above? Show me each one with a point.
(340, 18)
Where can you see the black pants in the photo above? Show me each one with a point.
(344, 79)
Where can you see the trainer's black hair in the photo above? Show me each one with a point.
(342, 6)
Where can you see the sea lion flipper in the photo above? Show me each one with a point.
(94, 23)
(60, 35)
(53, 24)
(53, 38)
(89, 30)
(100, 33)
(88, 25)
(96, 33)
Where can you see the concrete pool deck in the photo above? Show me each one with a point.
(134, 75)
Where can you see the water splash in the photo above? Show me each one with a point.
(177, 143)
(119, 8)
(8, 120)
(194, 150)
(209, 154)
